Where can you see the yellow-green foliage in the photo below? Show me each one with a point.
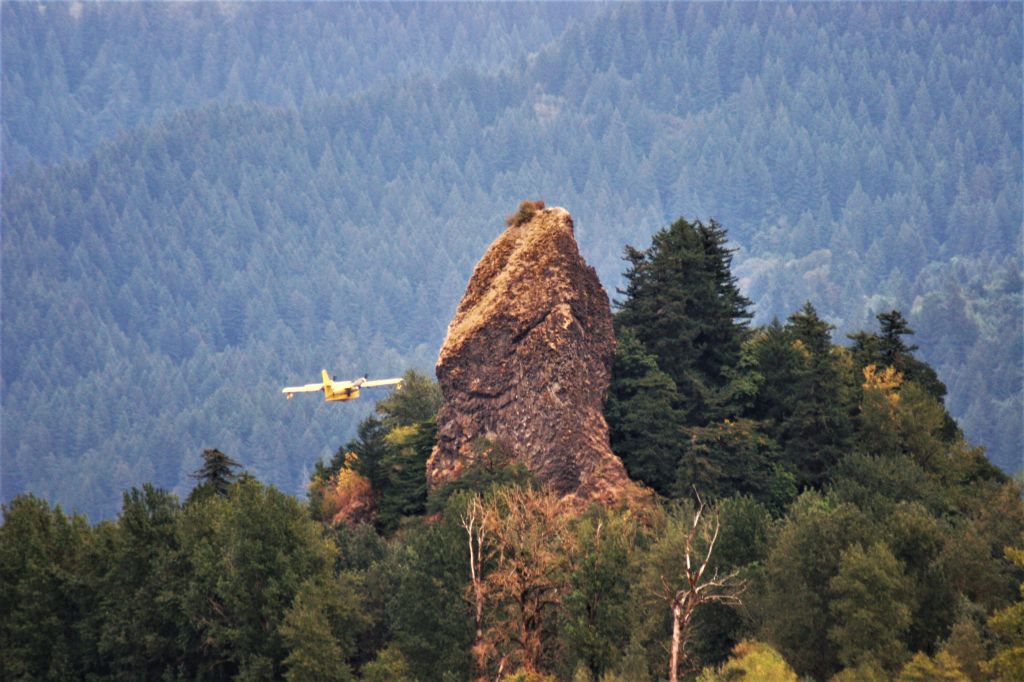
(1008, 626)
(751, 661)
(865, 671)
(524, 675)
(389, 666)
(941, 668)
(967, 645)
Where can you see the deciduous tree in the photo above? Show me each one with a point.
(533, 546)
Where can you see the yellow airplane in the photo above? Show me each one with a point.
(338, 390)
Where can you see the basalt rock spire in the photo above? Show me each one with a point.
(526, 363)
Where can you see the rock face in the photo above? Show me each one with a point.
(526, 364)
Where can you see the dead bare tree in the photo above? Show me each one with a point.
(524, 539)
(697, 586)
(472, 520)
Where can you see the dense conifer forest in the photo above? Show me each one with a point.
(204, 202)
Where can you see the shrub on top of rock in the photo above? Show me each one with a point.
(527, 209)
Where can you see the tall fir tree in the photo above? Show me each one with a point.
(817, 432)
(683, 304)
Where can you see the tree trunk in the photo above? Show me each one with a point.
(673, 665)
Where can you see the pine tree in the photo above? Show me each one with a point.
(730, 458)
(774, 358)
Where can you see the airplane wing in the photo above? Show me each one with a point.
(380, 382)
(308, 388)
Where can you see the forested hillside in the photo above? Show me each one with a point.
(820, 516)
(203, 203)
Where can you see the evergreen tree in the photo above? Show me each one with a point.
(683, 304)
(134, 575)
(733, 458)
(370, 448)
(643, 422)
(886, 348)
(41, 555)
(803, 394)
(775, 360)
(417, 400)
(404, 491)
(216, 475)
(816, 433)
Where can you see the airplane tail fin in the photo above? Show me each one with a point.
(327, 378)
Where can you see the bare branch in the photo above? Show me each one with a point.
(698, 588)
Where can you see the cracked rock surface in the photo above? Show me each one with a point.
(526, 365)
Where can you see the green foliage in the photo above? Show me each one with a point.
(817, 431)
(869, 606)
(41, 590)
(886, 348)
(775, 359)
(255, 536)
(634, 666)
(595, 625)
(733, 458)
(216, 474)
(877, 484)
(359, 547)
(684, 306)
(868, 670)
(804, 556)
(416, 401)
(404, 490)
(643, 422)
(389, 666)
(753, 661)
(940, 668)
(665, 566)
(1008, 626)
(743, 540)
(429, 619)
(135, 580)
(966, 644)
(320, 628)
